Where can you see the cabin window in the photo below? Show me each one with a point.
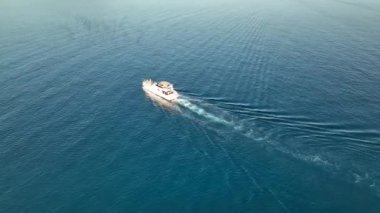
(167, 92)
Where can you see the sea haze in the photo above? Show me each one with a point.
(280, 106)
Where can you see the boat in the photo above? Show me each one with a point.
(162, 89)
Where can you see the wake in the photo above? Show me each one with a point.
(221, 121)
(218, 119)
(208, 113)
(202, 112)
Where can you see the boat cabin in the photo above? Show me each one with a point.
(165, 85)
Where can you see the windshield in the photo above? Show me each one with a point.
(168, 92)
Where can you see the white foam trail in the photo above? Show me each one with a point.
(218, 116)
(248, 131)
(202, 112)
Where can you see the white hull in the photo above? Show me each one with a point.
(163, 103)
(168, 94)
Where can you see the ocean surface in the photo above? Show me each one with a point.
(280, 106)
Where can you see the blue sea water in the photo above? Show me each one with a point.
(280, 107)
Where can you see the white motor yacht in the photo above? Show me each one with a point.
(162, 89)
